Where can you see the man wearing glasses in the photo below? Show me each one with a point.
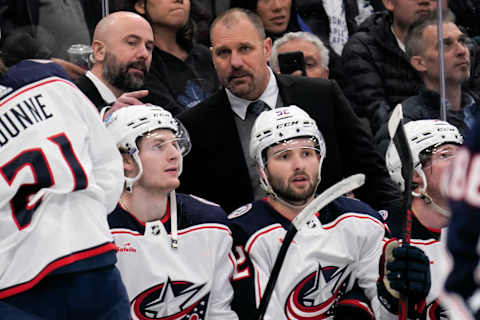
(434, 144)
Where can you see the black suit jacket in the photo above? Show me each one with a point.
(216, 168)
(88, 88)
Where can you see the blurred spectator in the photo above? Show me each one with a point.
(46, 29)
(122, 53)
(375, 71)
(220, 126)
(55, 24)
(203, 12)
(421, 46)
(278, 16)
(333, 21)
(314, 52)
(182, 72)
(467, 13)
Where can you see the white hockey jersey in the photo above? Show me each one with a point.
(333, 252)
(60, 174)
(189, 282)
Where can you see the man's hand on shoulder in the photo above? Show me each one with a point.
(126, 99)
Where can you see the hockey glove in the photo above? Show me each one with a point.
(403, 270)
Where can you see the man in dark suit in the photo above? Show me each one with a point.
(219, 168)
(122, 52)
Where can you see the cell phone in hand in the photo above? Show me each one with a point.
(291, 61)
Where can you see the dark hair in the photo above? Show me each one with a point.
(184, 36)
(414, 38)
(252, 5)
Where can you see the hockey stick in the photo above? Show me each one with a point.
(397, 134)
(340, 188)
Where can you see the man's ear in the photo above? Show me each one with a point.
(418, 64)
(139, 6)
(130, 167)
(98, 50)
(267, 47)
(389, 4)
(417, 180)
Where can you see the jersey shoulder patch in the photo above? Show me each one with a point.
(240, 211)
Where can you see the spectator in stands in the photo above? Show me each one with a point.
(467, 13)
(46, 29)
(376, 74)
(278, 16)
(421, 46)
(203, 12)
(334, 21)
(122, 53)
(182, 72)
(219, 168)
(314, 51)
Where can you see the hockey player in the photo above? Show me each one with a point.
(463, 281)
(333, 261)
(433, 144)
(59, 177)
(174, 250)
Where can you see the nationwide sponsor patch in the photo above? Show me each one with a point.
(240, 211)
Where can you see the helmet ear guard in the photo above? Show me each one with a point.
(279, 125)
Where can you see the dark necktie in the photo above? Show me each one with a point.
(257, 107)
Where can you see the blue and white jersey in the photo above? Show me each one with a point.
(189, 282)
(60, 174)
(463, 181)
(338, 248)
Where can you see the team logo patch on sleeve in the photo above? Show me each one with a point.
(240, 211)
(383, 214)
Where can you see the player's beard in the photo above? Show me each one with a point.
(118, 76)
(285, 191)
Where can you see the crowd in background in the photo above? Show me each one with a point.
(359, 60)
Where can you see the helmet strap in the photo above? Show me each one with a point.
(422, 194)
(130, 181)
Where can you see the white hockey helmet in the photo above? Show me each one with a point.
(280, 125)
(421, 135)
(127, 124)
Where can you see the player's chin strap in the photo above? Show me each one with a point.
(173, 220)
(422, 194)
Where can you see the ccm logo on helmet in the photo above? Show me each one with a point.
(287, 124)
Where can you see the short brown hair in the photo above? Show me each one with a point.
(230, 17)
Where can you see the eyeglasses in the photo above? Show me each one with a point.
(441, 153)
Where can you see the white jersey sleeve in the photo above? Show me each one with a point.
(60, 173)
